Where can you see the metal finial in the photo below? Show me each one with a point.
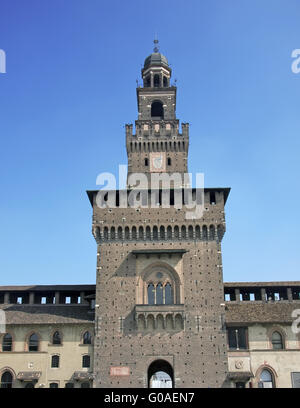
(156, 48)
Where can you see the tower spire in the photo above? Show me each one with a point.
(155, 41)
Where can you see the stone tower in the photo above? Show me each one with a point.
(157, 145)
(159, 293)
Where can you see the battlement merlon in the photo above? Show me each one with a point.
(168, 130)
(113, 224)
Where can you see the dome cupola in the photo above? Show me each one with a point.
(156, 72)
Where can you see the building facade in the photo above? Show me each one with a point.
(160, 313)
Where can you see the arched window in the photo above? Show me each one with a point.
(151, 294)
(266, 379)
(277, 342)
(165, 82)
(87, 338)
(168, 294)
(33, 342)
(148, 232)
(120, 233)
(55, 361)
(176, 232)
(211, 232)
(156, 81)
(169, 161)
(147, 82)
(133, 233)
(146, 162)
(29, 385)
(112, 233)
(86, 361)
(204, 232)
(6, 380)
(159, 322)
(159, 294)
(105, 233)
(141, 233)
(7, 342)
(56, 338)
(141, 322)
(157, 110)
(53, 385)
(178, 322)
(159, 285)
(150, 322)
(169, 322)
(198, 234)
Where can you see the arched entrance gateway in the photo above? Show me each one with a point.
(160, 375)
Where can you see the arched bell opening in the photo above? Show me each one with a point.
(157, 110)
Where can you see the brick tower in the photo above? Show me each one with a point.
(159, 295)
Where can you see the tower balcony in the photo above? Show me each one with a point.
(159, 318)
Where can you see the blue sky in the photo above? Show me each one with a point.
(69, 89)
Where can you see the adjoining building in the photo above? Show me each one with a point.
(160, 314)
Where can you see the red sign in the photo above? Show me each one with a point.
(119, 371)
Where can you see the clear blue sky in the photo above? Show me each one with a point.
(69, 89)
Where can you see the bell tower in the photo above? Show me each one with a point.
(157, 146)
(159, 293)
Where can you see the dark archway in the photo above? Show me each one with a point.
(157, 110)
(6, 380)
(162, 372)
(29, 385)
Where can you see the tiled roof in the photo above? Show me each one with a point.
(252, 312)
(44, 314)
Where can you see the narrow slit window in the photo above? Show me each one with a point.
(212, 198)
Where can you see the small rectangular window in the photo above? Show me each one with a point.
(55, 362)
(86, 361)
(237, 339)
(69, 385)
(212, 198)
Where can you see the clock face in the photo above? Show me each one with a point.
(157, 162)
